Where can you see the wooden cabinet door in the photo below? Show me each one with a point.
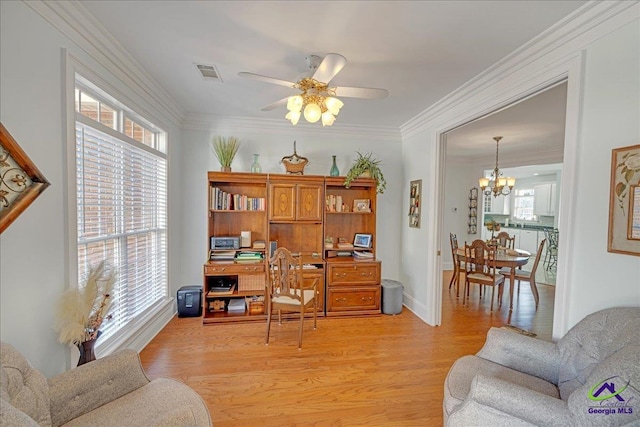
(310, 203)
(282, 202)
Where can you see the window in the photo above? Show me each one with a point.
(121, 179)
(523, 204)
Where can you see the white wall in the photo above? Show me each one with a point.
(602, 113)
(611, 109)
(272, 143)
(460, 177)
(34, 250)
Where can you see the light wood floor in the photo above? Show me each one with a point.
(376, 371)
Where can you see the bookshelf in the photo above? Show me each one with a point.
(290, 211)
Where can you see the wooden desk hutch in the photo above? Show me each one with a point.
(293, 211)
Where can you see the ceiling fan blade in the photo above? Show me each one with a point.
(266, 79)
(360, 92)
(329, 67)
(272, 106)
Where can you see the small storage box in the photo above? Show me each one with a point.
(190, 301)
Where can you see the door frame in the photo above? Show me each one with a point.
(528, 84)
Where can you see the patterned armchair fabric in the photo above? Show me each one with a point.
(590, 377)
(111, 391)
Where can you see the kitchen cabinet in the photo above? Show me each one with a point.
(544, 199)
(497, 205)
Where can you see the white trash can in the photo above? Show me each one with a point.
(391, 296)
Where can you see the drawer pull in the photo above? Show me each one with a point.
(366, 274)
(219, 269)
(366, 298)
(251, 269)
(341, 299)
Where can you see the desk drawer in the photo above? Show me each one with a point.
(355, 274)
(353, 299)
(230, 269)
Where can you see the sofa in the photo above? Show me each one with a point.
(110, 391)
(591, 376)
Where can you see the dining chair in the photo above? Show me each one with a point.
(285, 290)
(527, 276)
(480, 267)
(457, 268)
(551, 257)
(505, 240)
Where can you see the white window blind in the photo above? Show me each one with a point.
(122, 218)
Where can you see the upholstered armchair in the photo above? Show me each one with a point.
(111, 391)
(590, 377)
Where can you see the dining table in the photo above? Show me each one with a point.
(511, 258)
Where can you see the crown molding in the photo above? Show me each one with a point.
(74, 21)
(563, 39)
(282, 127)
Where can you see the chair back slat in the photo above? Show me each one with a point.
(285, 272)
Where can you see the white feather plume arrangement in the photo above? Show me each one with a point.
(81, 311)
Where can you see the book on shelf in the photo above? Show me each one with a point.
(249, 256)
(222, 255)
(259, 244)
(363, 255)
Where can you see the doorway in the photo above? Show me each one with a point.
(532, 151)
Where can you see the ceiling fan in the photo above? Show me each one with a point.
(318, 99)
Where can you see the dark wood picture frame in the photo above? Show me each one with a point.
(415, 196)
(20, 180)
(625, 177)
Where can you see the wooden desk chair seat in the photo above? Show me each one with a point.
(285, 291)
(480, 266)
(528, 276)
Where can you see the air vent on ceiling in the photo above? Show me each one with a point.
(209, 72)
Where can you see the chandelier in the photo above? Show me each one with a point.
(497, 185)
(316, 102)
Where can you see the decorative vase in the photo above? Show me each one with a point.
(334, 168)
(255, 166)
(86, 348)
(225, 168)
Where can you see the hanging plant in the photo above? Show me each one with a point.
(366, 166)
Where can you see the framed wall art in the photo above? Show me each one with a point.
(20, 180)
(624, 201)
(415, 195)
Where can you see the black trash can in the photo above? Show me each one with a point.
(190, 301)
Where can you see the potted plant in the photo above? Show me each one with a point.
(225, 150)
(81, 311)
(366, 166)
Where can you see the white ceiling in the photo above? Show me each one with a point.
(534, 126)
(419, 51)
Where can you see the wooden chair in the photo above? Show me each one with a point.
(480, 261)
(528, 276)
(551, 257)
(505, 240)
(457, 268)
(285, 290)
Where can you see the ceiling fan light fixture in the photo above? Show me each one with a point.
(327, 118)
(294, 103)
(294, 116)
(333, 104)
(312, 113)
